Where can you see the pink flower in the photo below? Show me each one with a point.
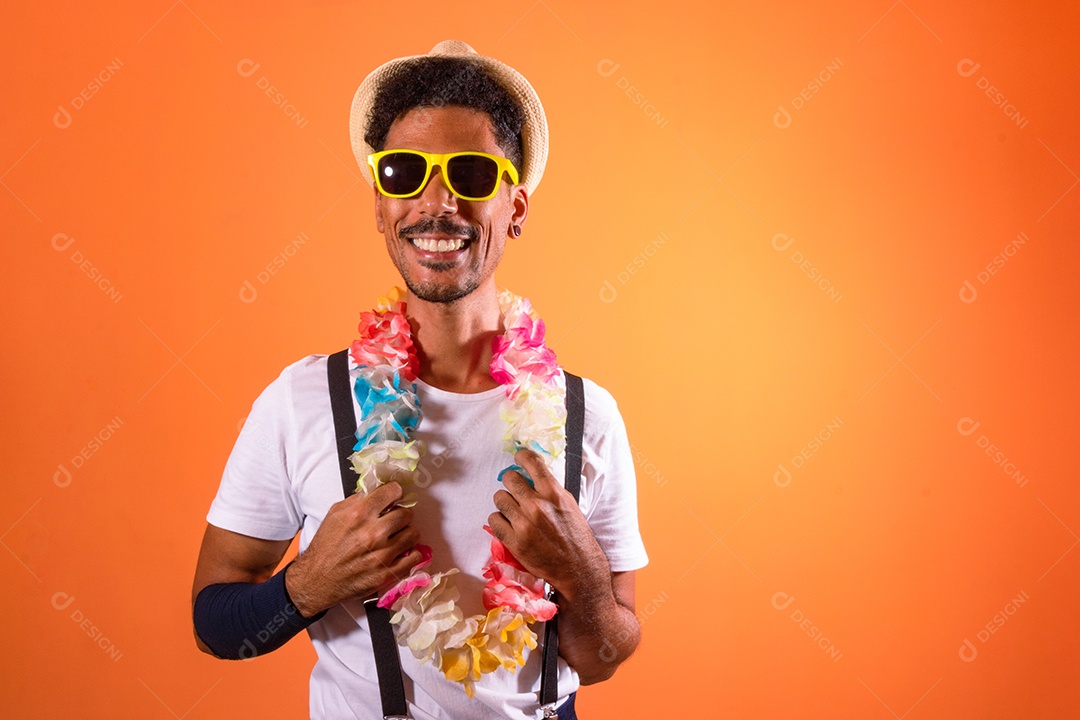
(406, 586)
(500, 553)
(521, 351)
(511, 586)
(526, 331)
(415, 580)
(517, 590)
(425, 556)
(386, 339)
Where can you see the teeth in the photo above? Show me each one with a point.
(430, 245)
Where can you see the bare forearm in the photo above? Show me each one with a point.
(596, 633)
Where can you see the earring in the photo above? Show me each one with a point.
(515, 230)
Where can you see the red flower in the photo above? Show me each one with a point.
(386, 339)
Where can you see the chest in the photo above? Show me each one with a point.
(456, 480)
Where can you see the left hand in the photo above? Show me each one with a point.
(545, 529)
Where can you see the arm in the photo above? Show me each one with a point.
(362, 545)
(227, 557)
(598, 630)
(544, 528)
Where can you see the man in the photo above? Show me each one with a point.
(446, 222)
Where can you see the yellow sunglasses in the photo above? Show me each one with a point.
(469, 175)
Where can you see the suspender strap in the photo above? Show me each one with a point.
(337, 374)
(387, 662)
(575, 428)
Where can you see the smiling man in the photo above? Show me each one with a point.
(477, 564)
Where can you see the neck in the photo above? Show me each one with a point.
(453, 340)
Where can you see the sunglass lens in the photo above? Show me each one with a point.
(402, 173)
(473, 176)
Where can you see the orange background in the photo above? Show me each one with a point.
(651, 252)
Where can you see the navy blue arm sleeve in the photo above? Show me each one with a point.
(238, 621)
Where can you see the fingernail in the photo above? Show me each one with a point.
(520, 471)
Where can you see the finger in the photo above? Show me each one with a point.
(374, 534)
(516, 485)
(399, 569)
(508, 506)
(405, 562)
(384, 496)
(501, 528)
(544, 482)
(379, 492)
(394, 520)
(401, 542)
(396, 554)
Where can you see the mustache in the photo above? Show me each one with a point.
(440, 226)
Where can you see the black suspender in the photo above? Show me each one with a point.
(387, 662)
(337, 374)
(575, 427)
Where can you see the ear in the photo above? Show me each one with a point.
(380, 224)
(519, 207)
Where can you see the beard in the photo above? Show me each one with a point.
(433, 290)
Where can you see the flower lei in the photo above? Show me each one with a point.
(426, 617)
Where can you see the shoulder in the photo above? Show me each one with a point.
(306, 369)
(601, 409)
(298, 382)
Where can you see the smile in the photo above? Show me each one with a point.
(433, 245)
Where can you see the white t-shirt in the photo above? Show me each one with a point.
(283, 475)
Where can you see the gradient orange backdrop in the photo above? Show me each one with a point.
(824, 257)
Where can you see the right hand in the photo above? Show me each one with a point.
(362, 547)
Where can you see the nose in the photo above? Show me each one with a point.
(436, 198)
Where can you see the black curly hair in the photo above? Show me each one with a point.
(442, 81)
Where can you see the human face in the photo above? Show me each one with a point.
(476, 230)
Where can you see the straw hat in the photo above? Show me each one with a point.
(534, 130)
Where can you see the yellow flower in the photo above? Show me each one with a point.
(463, 664)
(385, 461)
(508, 633)
(390, 299)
